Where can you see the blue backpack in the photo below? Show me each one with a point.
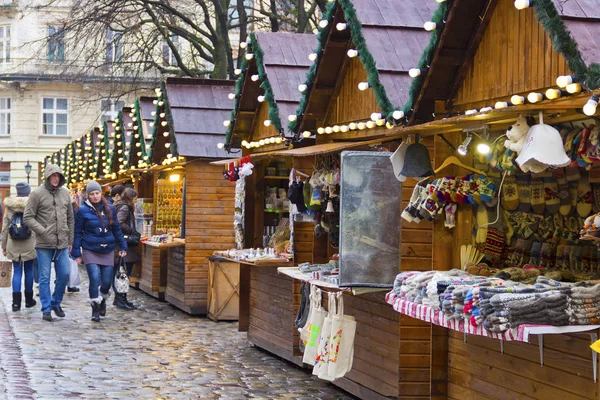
(17, 228)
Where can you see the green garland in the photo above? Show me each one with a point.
(439, 16)
(265, 85)
(239, 84)
(312, 70)
(171, 124)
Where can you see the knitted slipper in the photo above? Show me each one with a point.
(584, 198)
(537, 195)
(510, 193)
(551, 195)
(524, 185)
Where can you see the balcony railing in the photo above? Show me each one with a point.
(71, 69)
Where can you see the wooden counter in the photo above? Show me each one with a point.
(153, 279)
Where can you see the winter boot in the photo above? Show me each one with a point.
(29, 301)
(102, 307)
(121, 303)
(16, 304)
(95, 312)
(130, 304)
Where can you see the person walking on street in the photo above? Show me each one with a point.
(97, 233)
(115, 194)
(124, 206)
(49, 214)
(18, 244)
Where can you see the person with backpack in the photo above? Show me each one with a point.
(49, 215)
(124, 206)
(18, 244)
(97, 233)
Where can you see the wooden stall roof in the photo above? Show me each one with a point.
(285, 63)
(393, 36)
(198, 108)
(573, 27)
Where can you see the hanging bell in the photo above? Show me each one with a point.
(330, 207)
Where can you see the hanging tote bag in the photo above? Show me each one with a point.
(341, 347)
(121, 282)
(321, 364)
(312, 330)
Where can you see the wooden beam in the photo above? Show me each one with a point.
(470, 52)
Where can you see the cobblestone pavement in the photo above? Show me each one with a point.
(156, 352)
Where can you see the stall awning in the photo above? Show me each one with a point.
(308, 151)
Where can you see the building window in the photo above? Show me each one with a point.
(114, 46)
(169, 59)
(56, 44)
(110, 109)
(4, 116)
(4, 44)
(55, 116)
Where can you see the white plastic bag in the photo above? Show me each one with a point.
(312, 330)
(341, 348)
(74, 278)
(321, 368)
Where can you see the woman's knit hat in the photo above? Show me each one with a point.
(23, 189)
(92, 186)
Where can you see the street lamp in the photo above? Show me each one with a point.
(28, 170)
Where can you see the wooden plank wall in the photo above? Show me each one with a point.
(209, 227)
(415, 335)
(175, 293)
(351, 104)
(154, 271)
(261, 131)
(273, 300)
(515, 56)
(478, 370)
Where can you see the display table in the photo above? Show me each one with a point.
(519, 334)
(153, 276)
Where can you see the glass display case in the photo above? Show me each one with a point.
(370, 224)
(144, 208)
(169, 206)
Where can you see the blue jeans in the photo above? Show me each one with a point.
(18, 274)
(100, 276)
(61, 266)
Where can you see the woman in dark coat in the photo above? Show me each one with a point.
(125, 216)
(97, 233)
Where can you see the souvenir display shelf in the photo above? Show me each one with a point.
(169, 203)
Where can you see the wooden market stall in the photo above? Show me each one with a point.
(266, 95)
(505, 57)
(333, 115)
(190, 197)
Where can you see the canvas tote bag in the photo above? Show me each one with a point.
(311, 332)
(341, 348)
(321, 368)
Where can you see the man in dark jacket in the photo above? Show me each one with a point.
(49, 214)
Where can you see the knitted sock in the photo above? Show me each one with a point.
(546, 227)
(558, 227)
(584, 198)
(548, 259)
(529, 225)
(551, 195)
(473, 190)
(536, 251)
(482, 221)
(486, 188)
(596, 197)
(572, 174)
(510, 231)
(450, 221)
(537, 195)
(563, 192)
(524, 185)
(510, 193)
